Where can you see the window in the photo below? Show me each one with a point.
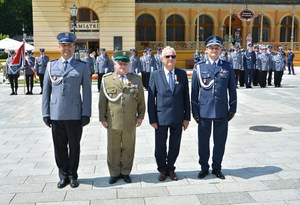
(175, 28)
(286, 29)
(205, 27)
(256, 29)
(145, 28)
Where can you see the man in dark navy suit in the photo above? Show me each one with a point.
(169, 110)
(214, 102)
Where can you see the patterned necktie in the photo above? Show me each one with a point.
(65, 65)
(171, 81)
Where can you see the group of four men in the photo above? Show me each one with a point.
(66, 108)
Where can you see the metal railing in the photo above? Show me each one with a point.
(193, 45)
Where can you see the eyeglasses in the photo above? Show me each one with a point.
(168, 56)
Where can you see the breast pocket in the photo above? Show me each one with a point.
(206, 78)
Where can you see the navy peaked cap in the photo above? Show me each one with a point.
(213, 41)
(42, 50)
(66, 37)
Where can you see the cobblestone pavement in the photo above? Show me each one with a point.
(261, 163)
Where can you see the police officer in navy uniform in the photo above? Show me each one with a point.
(237, 61)
(40, 66)
(249, 62)
(272, 64)
(263, 64)
(13, 73)
(157, 56)
(150, 66)
(66, 107)
(256, 71)
(103, 66)
(29, 72)
(214, 103)
(290, 61)
(89, 61)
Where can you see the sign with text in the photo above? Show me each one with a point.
(87, 26)
(246, 14)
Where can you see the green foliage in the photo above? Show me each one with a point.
(3, 36)
(15, 13)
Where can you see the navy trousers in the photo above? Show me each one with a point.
(220, 129)
(165, 160)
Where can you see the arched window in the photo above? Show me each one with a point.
(205, 27)
(256, 29)
(286, 29)
(86, 14)
(145, 28)
(175, 28)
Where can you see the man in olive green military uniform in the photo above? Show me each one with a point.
(121, 110)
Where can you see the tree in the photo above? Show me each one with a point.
(13, 15)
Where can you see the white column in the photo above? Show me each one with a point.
(292, 33)
(261, 27)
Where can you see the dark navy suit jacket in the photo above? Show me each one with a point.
(164, 106)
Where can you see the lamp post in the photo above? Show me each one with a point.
(74, 11)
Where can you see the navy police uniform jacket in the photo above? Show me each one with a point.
(210, 100)
(164, 106)
(41, 64)
(62, 99)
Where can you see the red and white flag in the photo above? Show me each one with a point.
(19, 60)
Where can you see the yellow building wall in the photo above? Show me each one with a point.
(50, 17)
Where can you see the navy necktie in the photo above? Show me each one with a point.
(171, 81)
(65, 65)
(215, 64)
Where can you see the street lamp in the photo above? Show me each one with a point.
(74, 11)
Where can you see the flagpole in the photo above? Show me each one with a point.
(23, 62)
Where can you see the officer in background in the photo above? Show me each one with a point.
(13, 73)
(236, 61)
(249, 62)
(157, 56)
(121, 110)
(150, 64)
(255, 79)
(214, 103)
(135, 64)
(197, 57)
(290, 61)
(272, 64)
(29, 72)
(89, 61)
(263, 63)
(279, 66)
(242, 69)
(40, 66)
(66, 107)
(143, 67)
(102, 66)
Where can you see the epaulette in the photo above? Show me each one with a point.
(198, 63)
(81, 61)
(54, 60)
(107, 74)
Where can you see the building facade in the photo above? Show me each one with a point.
(183, 25)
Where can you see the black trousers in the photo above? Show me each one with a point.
(236, 75)
(263, 78)
(277, 78)
(165, 160)
(29, 82)
(147, 75)
(13, 80)
(291, 67)
(248, 77)
(220, 129)
(41, 77)
(242, 78)
(66, 136)
(255, 77)
(100, 76)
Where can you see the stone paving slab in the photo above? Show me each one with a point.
(261, 168)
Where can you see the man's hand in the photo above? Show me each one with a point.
(196, 118)
(154, 125)
(139, 122)
(47, 121)
(185, 124)
(230, 115)
(85, 120)
(104, 124)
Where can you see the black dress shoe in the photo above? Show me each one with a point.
(126, 178)
(202, 174)
(74, 183)
(162, 176)
(28, 93)
(113, 180)
(62, 183)
(12, 93)
(218, 174)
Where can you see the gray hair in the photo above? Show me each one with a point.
(168, 48)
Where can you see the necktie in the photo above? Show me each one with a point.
(215, 64)
(65, 65)
(122, 79)
(171, 81)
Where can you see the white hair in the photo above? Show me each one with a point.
(168, 48)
